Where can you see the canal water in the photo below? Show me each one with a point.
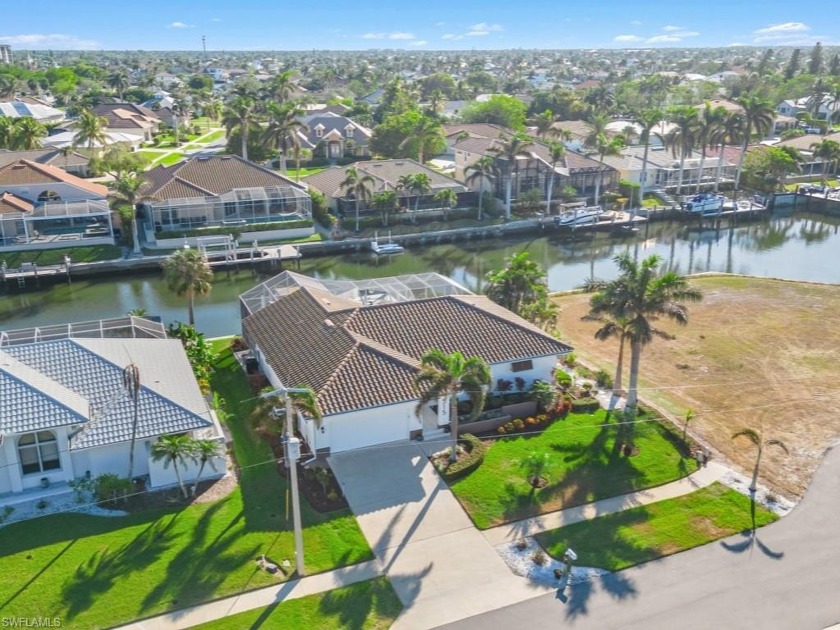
(797, 247)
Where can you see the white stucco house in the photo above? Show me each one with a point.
(65, 413)
(358, 346)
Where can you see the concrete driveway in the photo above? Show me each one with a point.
(441, 567)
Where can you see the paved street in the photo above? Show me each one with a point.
(788, 576)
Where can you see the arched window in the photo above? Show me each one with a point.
(49, 195)
(38, 452)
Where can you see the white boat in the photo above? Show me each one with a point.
(705, 203)
(580, 216)
(387, 248)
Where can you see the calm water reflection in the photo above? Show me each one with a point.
(800, 247)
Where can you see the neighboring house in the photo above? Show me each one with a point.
(812, 165)
(165, 107)
(43, 206)
(358, 346)
(386, 175)
(74, 163)
(220, 191)
(663, 168)
(64, 139)
(65, 413)
(334, 136)
(311, 109)
(130, 119)
(827, 107)
(38, 111)
(453, 134)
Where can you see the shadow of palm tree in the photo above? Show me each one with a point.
(751, 539)
(353, 608)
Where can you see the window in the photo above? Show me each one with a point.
(349, 131)
(522, 366)
(319, 131)
(49, 195)
(38, 452)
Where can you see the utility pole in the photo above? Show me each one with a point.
(204, 46)
(291, 446)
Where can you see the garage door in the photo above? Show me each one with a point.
(370, 427)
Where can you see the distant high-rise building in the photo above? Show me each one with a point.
(5, 53)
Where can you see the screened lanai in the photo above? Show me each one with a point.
(237, 207)
(364, 292)
(71, 222)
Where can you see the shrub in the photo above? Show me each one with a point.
(501, 430)
(518, 424)
(504, 385)
(570, 359)
(585, 405)
(563, 378)
(520, 383)
(42, 504)
(603, 379)
(539, 557)
(110, 487)
(475, 450)
(320, 212)
(509, 427)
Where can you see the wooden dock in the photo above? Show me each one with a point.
(608, 221)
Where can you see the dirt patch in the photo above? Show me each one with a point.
(707, 526)
(756, 353)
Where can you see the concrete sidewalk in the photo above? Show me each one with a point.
(260, 598)
(512, 531)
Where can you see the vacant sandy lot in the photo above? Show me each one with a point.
(757, 353)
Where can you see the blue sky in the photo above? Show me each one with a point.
(423, 25)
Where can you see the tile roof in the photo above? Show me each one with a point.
(127, 116)
(12, 204)
(357, 357)
(72, 370)
(571, 160)
(214, 175)
(478, 130)
(44, 156)
(25, 172)
(803, 143)
(386, 173)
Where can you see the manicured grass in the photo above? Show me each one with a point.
(371, 605)
(171, 158)
(641, 534)
(312, 238)
(584, 465)
(101, 571)
(90, 253)
(303, 172)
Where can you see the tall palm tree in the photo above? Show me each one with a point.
(683, 137)
(756, 438)
(640, 296)
(118, 81)
(404, 185)
(304, 403)
(476, 173)
(647, 120)
(7, 132)
(90, 130)
(427, 134)
(212, 109)
(605, 147)
(357, 186)
(448, 375)
(447, 198)
(729, 134)
(240, 116)
(758, 120)
(509, 151)
(284, 131)
(709, 126)
(613, 327)
(173, 449)
(829, 152)
(187, 272)
(282, 87)
(28, 133)
(544, 123)
(205, 451)
(421, 185)
(126, 188)
(556, 152)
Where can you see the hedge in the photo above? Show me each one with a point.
(585, 405)
(475, 456)
(225, 230)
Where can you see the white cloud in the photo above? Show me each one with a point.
(418, 42)
(440, 23)
(395, 35)
(400, 35)
(180, 25)
(672, 29)
(216, 19)
(735, 44)
(636, 23)
(58, 41)
(785, 27)
(489, 28)
(476, 33)
(451, 36)
(787, 34)
(663, 39)
(627, 38)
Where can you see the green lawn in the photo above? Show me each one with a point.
(303, 172)
(102, 571)
(170, 159)
(583, 465)
(370, 605)
(641, 534)
(89, 253)
(832, 183)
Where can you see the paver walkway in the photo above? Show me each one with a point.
(512, 531)
(260, 598)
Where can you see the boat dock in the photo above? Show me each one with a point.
(607, 221)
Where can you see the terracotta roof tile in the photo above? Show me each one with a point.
(12, 204)
(27, 172)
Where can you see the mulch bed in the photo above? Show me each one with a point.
(310, 488)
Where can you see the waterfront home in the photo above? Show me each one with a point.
(65, 413)
(333, 136)
(73, 162)
(810, 164)
(358, 345)
(206, 195)
(386, 176)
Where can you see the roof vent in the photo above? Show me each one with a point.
(226, 157)
(329, 323)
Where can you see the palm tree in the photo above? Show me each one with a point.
(544, 123)
(556, 152)
(758, 120)
(448, 375)
(639, 297)
(605, 147)
(212, 109)
(28, 133)
(404, 184)
(484, 168)
(447, 198)
(509, 151)
(187, 272)
(90, 130)
(647, 120)
(829, 152)
(282, 87)
(173, 449)
(613, 328)
(600, 98)
(7, 132)
(239, 116)
(126, 187)
(730, 133)
(421, 185)
(304, 403)
(283, 131)
(118, 81)
(756, 438)
(205, 451)
(426, 134)
(683, 137)
(357, 186)
(711, 122)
